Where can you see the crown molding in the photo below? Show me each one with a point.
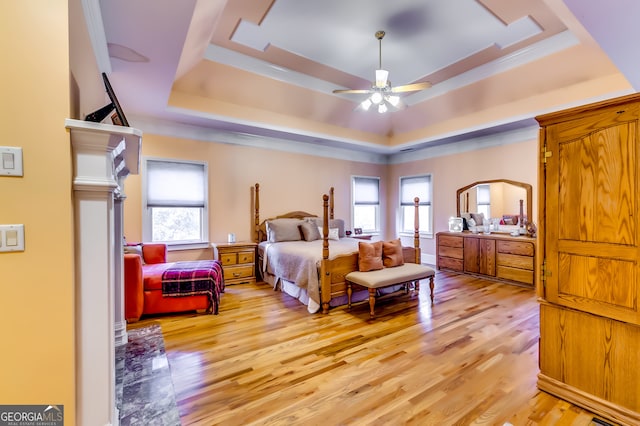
(95, 27)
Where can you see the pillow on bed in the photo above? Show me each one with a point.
(478, 217)
(284, 229)
(333, 223)
(334, 233)
(392, 253)
(369, 256)
(310, 231)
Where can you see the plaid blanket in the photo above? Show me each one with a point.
(189, 278)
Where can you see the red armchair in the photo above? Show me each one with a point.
(143, 285)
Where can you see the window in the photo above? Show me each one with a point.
(483, 200)
(366, 203)
(411, 187)
(175, 200)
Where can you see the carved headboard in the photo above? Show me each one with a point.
(260, 229)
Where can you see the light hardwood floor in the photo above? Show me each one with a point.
(471, 358)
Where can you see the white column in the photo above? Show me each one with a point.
(99, 154)
(120, 323)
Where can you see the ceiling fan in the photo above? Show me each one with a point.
(382, 94)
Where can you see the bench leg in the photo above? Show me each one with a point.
(372, 301)
(431, 287)
(349, 291)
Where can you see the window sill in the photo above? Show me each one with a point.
(188, 246)
(425, 235)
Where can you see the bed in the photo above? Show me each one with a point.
(311, 268)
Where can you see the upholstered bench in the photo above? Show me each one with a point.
(373, 280)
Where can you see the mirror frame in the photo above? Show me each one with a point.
(526, 186)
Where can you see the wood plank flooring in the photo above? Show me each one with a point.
(470, 359)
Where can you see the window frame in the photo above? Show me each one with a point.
(354, 178)
(401, 225)
(147, 219)
(482, 205)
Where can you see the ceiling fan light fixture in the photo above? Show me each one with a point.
(376, 98)
(393, 100)
(381, 93)
(382, 76)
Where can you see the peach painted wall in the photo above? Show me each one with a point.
(517, 161)
(288, 182)
(37, 303)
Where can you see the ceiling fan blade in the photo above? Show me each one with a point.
(352, 91)
(411, 87)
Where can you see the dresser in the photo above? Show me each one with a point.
(494, 256)
(238, 261)
(589, 289)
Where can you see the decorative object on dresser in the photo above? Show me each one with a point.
(238, 261)
(589, 289)
(455, 224)
(495, 256)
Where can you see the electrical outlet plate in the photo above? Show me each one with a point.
(11, 238)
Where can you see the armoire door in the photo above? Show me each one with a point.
(591, 213)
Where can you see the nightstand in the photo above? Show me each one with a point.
(361, 237)
(238, 261)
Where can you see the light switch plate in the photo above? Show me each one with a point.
(11, 238)
(10, 161)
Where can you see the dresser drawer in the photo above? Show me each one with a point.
(515, 274)
(522, 248)
(450, 263)
(515, 261)
(454, 252)
(235, 272)
(450, 241)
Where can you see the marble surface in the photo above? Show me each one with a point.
(144, 389)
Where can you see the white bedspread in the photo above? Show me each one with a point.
(299, 261)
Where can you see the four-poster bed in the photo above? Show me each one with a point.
(313, 268)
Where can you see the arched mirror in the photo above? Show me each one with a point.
(497, 198)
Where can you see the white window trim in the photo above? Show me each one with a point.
(376, 231)
(146, 212)
(399, 218)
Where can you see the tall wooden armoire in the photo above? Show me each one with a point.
(589, 246)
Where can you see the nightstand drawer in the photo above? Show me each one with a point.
(228, 259)
(237, 258)
(246, 256)
(235, 272)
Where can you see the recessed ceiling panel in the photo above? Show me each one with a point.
(340, 34)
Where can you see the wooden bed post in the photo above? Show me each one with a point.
(325, 228)
(416, 229)
(331, 203)
(325, 276)
(256, 215)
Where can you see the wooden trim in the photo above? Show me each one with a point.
(527, 187)
(601, 407)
